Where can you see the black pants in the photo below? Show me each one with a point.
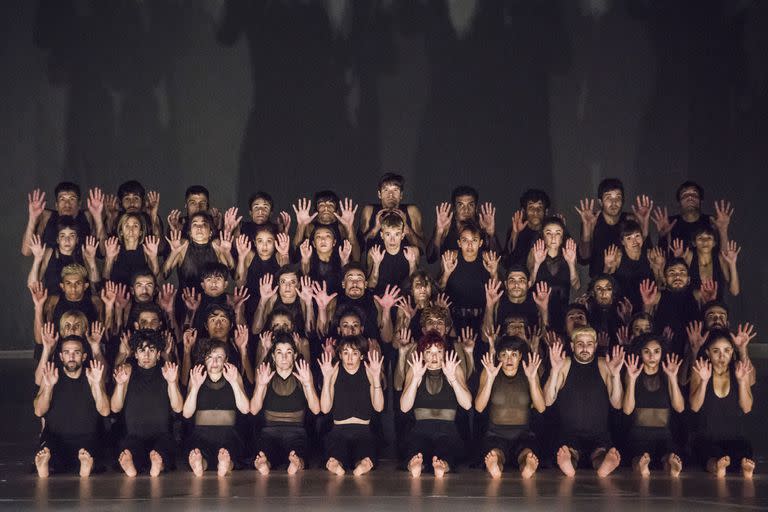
(435, 438)
(709, 448)
(585, 445)
(511, 441)
(349, 444)
(140, 446)
(209, 440)
(65, 450)
(656, 441)
(278, 441)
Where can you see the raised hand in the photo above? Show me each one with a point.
(153, 202)
(403, 337)
(96, 202)
(151, 245)
(175, 242)
(493, 292)
(266, 291)
(239, 296)
(603, 339)
(241, 338)
(405, 304)
(231, 219)
(518, 222)
(611, 257)
(487, 218)
(660, 218)
(622, 335)
(303, 374)
(531, 367)
(551, 338)
(642, 208)
(389, 298)
(417, 364)
(95, 335)
(615, 360)
(174, 221)
(703, 369)
(345, 251)
(197, 376)
(491, 335)
(411, 255)
(723, 213)
(111, 205)
(166, 297)
(556, 356)
(283, 244)
(624, 309)
(301, 209)
(696, 335)
(321, 296)
(569, 251)
(541, 295)
(491, 262)
(730, 252)
(656, 259)
(265, 340)
(243, 246)
(306, 251)
(467, 338)
(444, 215)
(89, 248)
(191, 299)
(125, 343)
(111, 247)
(649, 292)
(284, 221)
(373, 366)
(264, 375)
(743, 370)
(678, 248)
(539, 251)
(231, 374)
(491, 369)
(225, 241)
(377, 254)
(326, 365)
(305, 290)
(189, 338)
(109, 294)
(37, 247)
(170, 372)
(122, 374)
(450, 364)
(443, 301)
(708, 290)
(217, 217)
(329, 346)
(668, 334)
(39, 294)
(634, 366)
(449, 261)
(94, 372)
(744, 335)
(50, 375)
(49, 335)
(36, 203)
(587, 213)
(671, 365)
(347, 210)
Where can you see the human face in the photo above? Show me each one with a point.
(434, 356)
(131, 229)
(510, 360)
(434, 323)
(281, 323)
(651, 355)
(196, 203)
(72, 324)
(690, 200)
(517, 286)
(214, 286)
(218, 325)
(612, 202)
(632, 242)
(132, 202)
(392, 238)
(677, 277)
(640, 326)
(325, 212)
(350, 358)
(465, 208)
(148, 320)
(143, 288)
(147, 356)
(584, 348)
(350, 326)
(421, 290)
(704, 242)
(720, 354)
(534, 214)
(67, 241)
(470, 244)
(603, 291)
(553, 238)
(323, 241)
(354, 284)
(72, 356)
(67, 203)
(516, 327)
(390, 195)
(260, 211)
(716, 318)
(573, 319)
(73, 287)
(283, 356)
(265, 245)
(199, 230)
(215, 360)
(287, 287)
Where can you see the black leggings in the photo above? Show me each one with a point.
(278, 441)
(736, 449)
(349, 444)
(438, 438)
(140, 446)
(209, 440)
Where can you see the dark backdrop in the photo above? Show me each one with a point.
(294, 95)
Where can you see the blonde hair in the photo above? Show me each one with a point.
(74, 269)
(124, 218)
(584, 330)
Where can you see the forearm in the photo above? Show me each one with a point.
(186, 366)
(43, 400)
(45, 355)
(675, 395)
(734, 285)
(575, 281)
(241, 399)
(628, 403)
(537, 395)
(190, 404)
(617, 391)
(745, 396)
(463, 396)
(313, 402)
(35, 274)
(409, 395)
(433, 247)
(484, 393)
(26, 238)
(100, 397)
(489, 317)
(154, 265)
(550, 388)
(377, 396)
(257, 402)
(326, 396)
(696, 396)
(258, 317)
(117, 401)
(298, 236)
(385, 325)
(37, 324)
(246, 364)
(373, 277)
(174, 396)
(109, 263)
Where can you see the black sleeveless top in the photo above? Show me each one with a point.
(722, 418)
(444, 398)
(73, 410)
(583, 402)
(147, 409)
(352, 395)
(651, 392)
(127, 263)
(394, 269)
(630, 274)
(510, 395)
(196, 257)
(466, 285)
(49, 232)
(52, 276)
(555, 272)
(216, 396)
(527, 309)
(328, 272)
(276, 401)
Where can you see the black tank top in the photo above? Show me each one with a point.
(434, 392)
(127, 263)
(216, 396)
(50, 233)
(352, 395)
(196, 257)
(52, 276)
(651, 392)
(554, 272)
(466, 284)
(583, 402)
(526, 309)
(510, 398)
(394, 269)
(73, 410)
(722, 418)
(276, 401)
(147, 409)
(630, 274)
(84, 305)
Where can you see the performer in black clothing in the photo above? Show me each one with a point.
(285, 391)
(707, 263)
(133, 250)
(392, 263)
(322, 261)
(585, 386)
(147, 394)
(515, 300)
(390, 194)
(351, 391)
(292, 292)
(634, 262)
(214, 398)
(330, 212)
(71, 405)
(721, 394)
(604, 310)
(270, 253)
(509, 394)
(651, 394)
(526, 226)
(435, 386)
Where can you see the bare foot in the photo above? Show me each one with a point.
(363, 467)
(565, 462)
(295, 464)
(531, 464)
(440, 467)
(157, 465)
(415, 465)
(747, 468)
(262, 464)
(225, 463)
(610, 462)
(642, 465)
(86, 463)
(492, 464)
(335, 467)
(41, 462)
(721, 465)
(196, 462)
(675, 465)
(126, 462)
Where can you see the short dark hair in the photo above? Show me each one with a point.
(552, 219)
(291, 268)
(390, 178)
(534, 195)
(206, 217)
(322, 196)
(349, 267)
(355, 342)
(689, 184)
(260, 194)
(630, 227)
(67, 222)
(145, 307)
(714, 335)
(644, 339)
(72, 337)
(349, 310)
(269, 227)
(196, 189)
(145, 272)
(214, 269)
(672, 262)
(67, 186)
(147, 338)
(609, 184)
(472, 227)
(577, 307)
(279, 310)
(605, 277)
(714, 304)
(515, 344)
(701, 229)
(464, 190)
(131, 187)
(517, 268)
(281, 338)
(224, 308)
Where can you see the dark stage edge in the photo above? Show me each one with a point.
(386, 488)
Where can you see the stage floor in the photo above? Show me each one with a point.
(317, 490)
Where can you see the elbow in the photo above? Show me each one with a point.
(541, 408)
(679, 408)
(378, 407)
(747, 408)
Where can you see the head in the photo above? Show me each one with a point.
(196, 199)
(391, 190)
(147, 345)
(392, 231)
(535, 204)
(219, 321)
(464, 200)
(470, 240)
(715, 315)
(553, 234)
(280, 319)
(131, 195)
(432, 347)
(611, 194)
(704, 239)
(67, 198)
(214, 278)
(676, 274)
(641, 323)
(351, 350)
(72, 353)
(583, 344)
(720, 350)
(74, 282)
(260, 207)
(200, 228)
(326, 204)
(264, 240)
(323, 240)
(287, 279)
(575, 317)
(131, 228)
(354, 282)
(651, 349)
(514, 325)
(73, 323)
(421, 286)
(631, 236)
(510, 352)
(689, 196)
(214, 356)
(283, 353)
(604, 290)
(516, 283)
(437, 319)
(351, 321)
(67, 234)
(143, 286)
(147, 316)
